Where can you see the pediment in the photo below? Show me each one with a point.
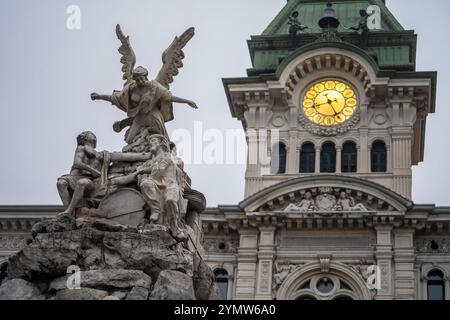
(326, 195)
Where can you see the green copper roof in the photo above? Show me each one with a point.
(392, 47)
(347, 11)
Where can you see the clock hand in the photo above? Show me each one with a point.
(318, 105)
(330, 102)
(334, 110)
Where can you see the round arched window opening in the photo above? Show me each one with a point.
(325, 285)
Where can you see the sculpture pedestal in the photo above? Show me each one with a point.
(111, 261)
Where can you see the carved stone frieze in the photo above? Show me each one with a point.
(433, 245)
(326, 201)
(216, 245)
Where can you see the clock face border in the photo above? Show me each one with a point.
(343, 111)
(328, 131)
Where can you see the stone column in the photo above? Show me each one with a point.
(292, 167)
(364, 159)
(338, 159)
(246, 265)
(358, 158)
(266, 254)
(318, 149)
(404, 264)
(363, 165)
(383, 255)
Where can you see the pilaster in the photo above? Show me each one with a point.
(404, 264)
(383, 255)
(247, 265)
(266, 255)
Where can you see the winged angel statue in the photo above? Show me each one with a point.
(148, 104)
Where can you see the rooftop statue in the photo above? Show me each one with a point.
(148, 104)
(362, 28)
(295, 27)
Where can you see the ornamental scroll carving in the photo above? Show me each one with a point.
(282, 269)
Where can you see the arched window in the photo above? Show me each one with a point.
(221, 277)
(279, 159)
(328, 158)
(379, 157)
(325, 287)
(307, 158)
(349, 157)
(435, 285)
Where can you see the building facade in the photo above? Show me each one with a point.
(335, 119)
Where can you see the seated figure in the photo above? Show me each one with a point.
(347, 203)
(161, 186)
(89, 174)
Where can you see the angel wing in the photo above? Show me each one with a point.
(128, 58)
(173, 58)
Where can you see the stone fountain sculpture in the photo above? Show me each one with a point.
(124, 233)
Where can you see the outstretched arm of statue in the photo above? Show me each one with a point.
(192, 104)
(80, 165)
(105, 97)
(126, 180)
(129, 157)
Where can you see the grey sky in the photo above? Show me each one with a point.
(49, 71)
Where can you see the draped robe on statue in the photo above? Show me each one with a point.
(152, 110)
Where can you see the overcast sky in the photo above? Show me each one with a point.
(48, 71)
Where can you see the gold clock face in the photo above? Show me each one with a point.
(330, 103)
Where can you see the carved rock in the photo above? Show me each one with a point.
(173, 285)
(113, 265)
(50, 254)
(107, 279)
(138, 293)
(19, 289)
(81, 294)
(204, 281)
(62, 223)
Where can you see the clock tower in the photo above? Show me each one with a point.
(341, 97)
(335, 113)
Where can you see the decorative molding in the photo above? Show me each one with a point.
(281, 270)
(326, 201)
(432, 245)
(326, 130)
(221, 245)
(324, 262)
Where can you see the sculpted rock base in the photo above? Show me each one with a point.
(173, 285)
(19, 289)
(115, 263)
